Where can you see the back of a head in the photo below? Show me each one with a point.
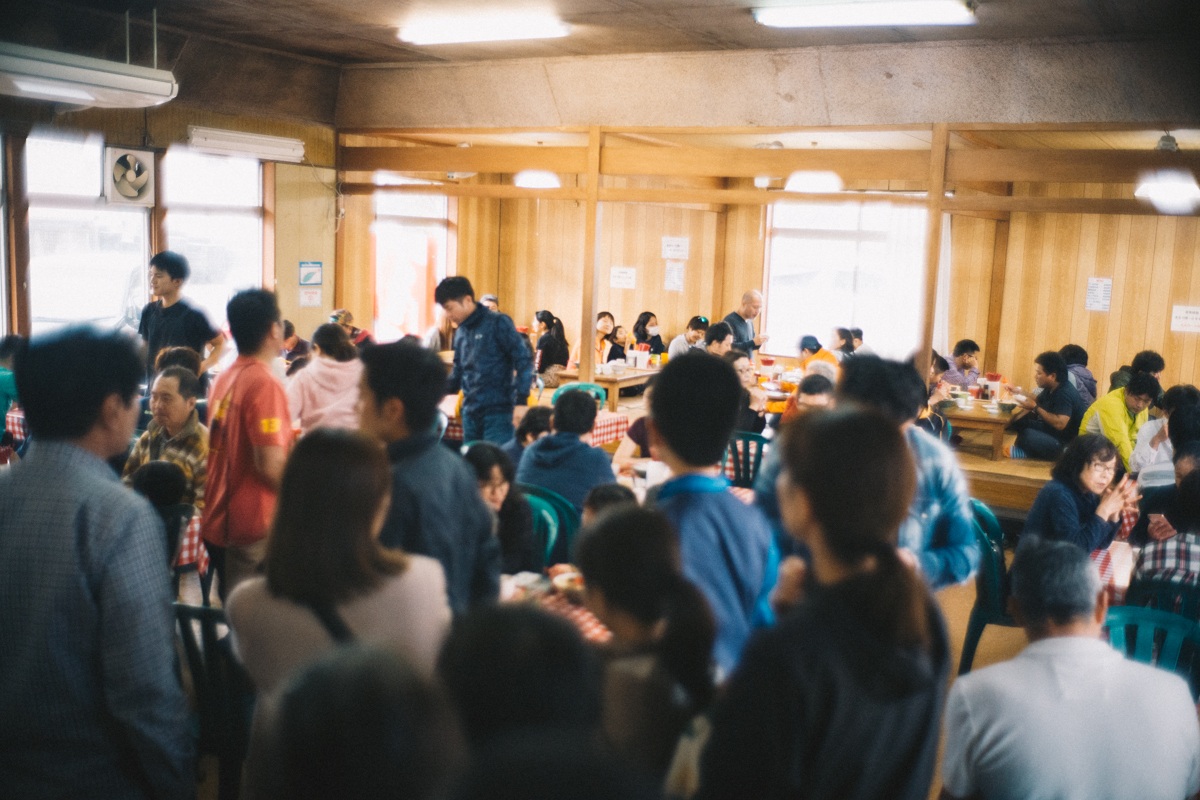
(891, 387)
(63, 379)
(815, 385)
(537, 420)
(1053, 364)
(856, 333)
(717, 333)
(10, 345)
(511, 668)
(1053, 581)
(1143, 384)
(455, 287)
(695, 406)
(1074, 354)
(1184, 426)
(940, 364)
(964, 347)
(606, 496)
(161, 482)
(407, 371)
(1187, 502)
(335, 342)
(184, 357)
(171, 263)
(1183, 394)
(574, 412)
(251, 313)
(361, 725)
(484, 456)
(1148, 361)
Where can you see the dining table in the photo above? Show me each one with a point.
(612, 383)
(976, 417)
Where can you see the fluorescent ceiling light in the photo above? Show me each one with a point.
(1170, 191)
(762, 181)
(78, 80)
(47, 89)
(487, 27)
(236, 143)
(813, 182)
(866, 13)
(536, 179)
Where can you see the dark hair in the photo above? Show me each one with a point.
(1148, 361)
(1183, 394)
(733, 356)
(512, 667)
(555, 326)
(184, 357)
(1053, 364)
(297, 365)
(1082, 451)
(965, 346)
(1188, 502)
(335, 342)
(10, 345)
(604, 496)
(643, 321)
(482, 456)
(604, 314)
(939, 362)
(289, 330)
(856, 333)
(574, 412)
(537, 420)
(894, 388)
(1188, 452)
(1143, 384)
(171, 263)
(63, 379)
(161, 482)
(1184, 427)
(1073, 354)
(251, 313)
(612, 336)
(359, 724)
(698, 324)
(407, 371)
(455, 287)
(189, 383)
(717, 333)
(858, 476)
(322, 548)
(847, 340)
(695, 406)
(815, 384)
(631, 554)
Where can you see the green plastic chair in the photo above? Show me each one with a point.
(568, 521)
(597, 392)
(224, 695)
(746, 450)
(1165, 596)
(545, 528)
(1157, 637)
(991, 585)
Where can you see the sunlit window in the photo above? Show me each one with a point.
(64, 164)
(411, 241)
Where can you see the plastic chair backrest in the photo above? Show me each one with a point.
(988, 522)
(175, 519)
(545, 528)
(991, 581)
(1146, 622)
(1166, 596)
(568, 521)
(746, 450)
(597, 392)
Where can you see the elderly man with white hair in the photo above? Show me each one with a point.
(742, 322)
(1069, 717)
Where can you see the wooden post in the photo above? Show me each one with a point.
(18, 232)
(591, 278)
(268, 241)
(158, 214)
(991, 345)
(936, 197)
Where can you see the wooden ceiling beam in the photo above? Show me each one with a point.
(1050, 205)
(493, 190)
(464, 159)
(1063, 166)
(729, 162)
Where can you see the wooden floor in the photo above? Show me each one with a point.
(1007, 483)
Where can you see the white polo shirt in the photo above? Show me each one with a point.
(1070, 718)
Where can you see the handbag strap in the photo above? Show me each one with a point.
(333, 622)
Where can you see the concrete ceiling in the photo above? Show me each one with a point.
(364, 31)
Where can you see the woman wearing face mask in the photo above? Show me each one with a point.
(552, 348)
(605, 322)
(646, 331)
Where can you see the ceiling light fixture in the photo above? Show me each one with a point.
(866, 13)
(813, 182)
(1170, 191)
(536, 179)
(493, 27)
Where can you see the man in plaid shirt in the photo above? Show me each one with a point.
(175, 433)
(1173, 552)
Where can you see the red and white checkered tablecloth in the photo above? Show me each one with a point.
(192, 549)
(745, 495)
(592, 629)
(729, 473)
(14, 423)
(610, 427)
(1115, 562)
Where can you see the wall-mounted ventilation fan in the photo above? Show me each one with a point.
(129, 177)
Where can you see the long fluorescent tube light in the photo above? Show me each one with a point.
(536, 179)
(39, 74)
(1170, 191)
(493, 27)
(867, 13)
(254, 145)
(47, 89)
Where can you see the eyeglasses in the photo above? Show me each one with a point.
(1103, 467)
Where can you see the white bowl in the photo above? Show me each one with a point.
(617, 368)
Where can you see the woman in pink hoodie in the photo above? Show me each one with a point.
(323, 394)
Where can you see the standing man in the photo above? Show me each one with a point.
(741, 321)
(90, 705)
(492, 364)
(250, 430)
(171, 322)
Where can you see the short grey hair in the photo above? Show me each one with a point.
(1053, 581)
(822, 368)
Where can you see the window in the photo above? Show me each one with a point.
(411, 244)
(214, 219)
(87, 261)
(853, 264)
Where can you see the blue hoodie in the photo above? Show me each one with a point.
(564, 463)
(487, 351)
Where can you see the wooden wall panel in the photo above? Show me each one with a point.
(972, 243)
(745, 254)
(305, 220)
(478, 238)
(356, 260)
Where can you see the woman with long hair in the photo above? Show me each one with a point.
(658, 671)
(605, 322)
(843, 697)
(324, 393)
(553, 352)
(328, 580)
(441, 336)
(495, 473)
(842, 344)
(646, 331)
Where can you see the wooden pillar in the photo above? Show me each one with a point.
(991, 345)
(158, 214)
(268, 241)
(17, 203)
(591, 279)
(936, 197)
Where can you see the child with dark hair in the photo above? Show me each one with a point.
(604, 497)
(537, 423)
(515, 530)
(161, 482)
(563, 462)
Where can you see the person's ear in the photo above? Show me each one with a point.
(191, 403)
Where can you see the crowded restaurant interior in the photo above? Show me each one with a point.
(600, 399)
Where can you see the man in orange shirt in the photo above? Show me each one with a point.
(811, 350)
(249, 435)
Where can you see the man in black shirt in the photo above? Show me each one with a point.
(1051, 422)
(170, 322)
(293, 346)
(742, 323)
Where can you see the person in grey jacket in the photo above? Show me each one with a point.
(436, 509)
(493, 365)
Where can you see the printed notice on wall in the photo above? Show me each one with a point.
(1185, 319)
(310, 298)
(675, 248)
(310, 273)
(622, 278)
(673, 279)
(1099, 294)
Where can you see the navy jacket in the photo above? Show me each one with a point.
(743, 333)
(487, 351)
(437, 511)
(1068, 514)
(565, 464)
(514, 450)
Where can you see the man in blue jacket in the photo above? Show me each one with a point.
(562, 462)
(493, 365)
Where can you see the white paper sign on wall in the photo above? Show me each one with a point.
(310, 297)
(675, 248)
(622, 278)
(1185, 319)
(673, 278)
(310, 273)
(1099, 294)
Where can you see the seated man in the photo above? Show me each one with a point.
(1158, 506)
(815, 391)
(726, 546)
(811, 350)
(536, 424)
(563, 462)
(293, 346)
(436, 509)
(1153, 454)
(1121, 413)
(175, 433)
(1173, 553)
(718, 339)
(1081, 377)
(693, 337)
(1050, 421)
(1069, 716)
(1146, 361)
(964, 372)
